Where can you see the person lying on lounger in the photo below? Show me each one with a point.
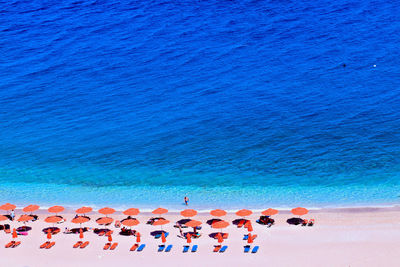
(152, 220)
(265, 220)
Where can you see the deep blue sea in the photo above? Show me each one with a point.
(233, 103)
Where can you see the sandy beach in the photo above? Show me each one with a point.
(340, 237)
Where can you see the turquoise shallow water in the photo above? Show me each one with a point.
(233, 104)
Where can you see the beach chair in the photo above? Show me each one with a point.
(134, 247)
(161, 248)
(241, 223)
(304, 223)
(10, 244)
(245, 237)
(217, 248)
(222, 250)
(16, 244)
(107, 246)
(185, 249)
(44, 244)
(113, 246)
(159, 235)
(50, 245)
(194, 248)
(225, 235)
(77, 244)
(141, 247)
(311, 222)
(84, 245)
(168, 249)
(253, 237)
(102, 233)
(246, 249)
(255, 249)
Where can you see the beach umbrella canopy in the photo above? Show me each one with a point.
(130, 222)
(131, 212)
(244, 213)
(189, 238)
(106, 211)
(81, 233)
(163, 239)
(188, 213)
(30, 208)
(56, 209)
(14, 233)
(25, 218)
(299, 211)
(104, 220)
(218, 213)
(137, 237)
(269, 212)
(193, 223)
(159, 211)
(3, 218)
(80, 220)
(220, 225)
(83, 210)
(8, 206)
(53, 219)
(161, 222)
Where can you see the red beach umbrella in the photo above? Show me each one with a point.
(3, 218)
(30, 208)
(130, 222)
(269, 212)
(299, 211)
(220, 225)
(56, 209)
(218, 213)
(8, 206)
(188, 213)
(25, 218)
(106, 211)
(83, 210)
(53, 219)
(104, 220)
(244, 213)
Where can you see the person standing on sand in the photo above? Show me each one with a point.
(186, 199)
(12, 215)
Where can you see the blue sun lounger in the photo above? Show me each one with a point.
(246, 249)
(168, 249)
(185, 249)
(255, 249)
(141, 247)
(161, 248)
(194, 248)
(222, 250)
(159, 235)
(245, 237)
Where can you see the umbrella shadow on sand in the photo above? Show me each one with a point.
(158, 232)
(237, 221)
(295, 221)
(214, 235)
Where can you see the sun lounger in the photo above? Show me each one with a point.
(241, 223)
(161, 248)
(305, 222)
(253, 237)
(16, 244)
(10, 244)
(185, 249)
(225, 235)
(141, 247)
(50, 245)
(245, 237)
(159, 235)
(84, 245)
(194, 248)
(8, 231)
(311, 222)
(107, 246)
(168, 249)
(134, 247)
(246, 249)
(101, 233)
(113, 246)
(217, 248)
(77, 244)
(255, 249)
(44, 244)
(222, 250)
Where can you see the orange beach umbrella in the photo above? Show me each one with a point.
(131, 212)
(159, 211)
(3, 218)
(56, 209)
(193, 223)
(269, 212)
(49, 234)
(106, 211)
(53, 219)
(130, 222)
(161, 222)
(220, 238)
(299, 211)
(218, 213)
(104, 220)
(8, 206)
(220, 225)
(80, 220)
(30, 208)
(244, 213)
(25, 218)
(83, 210)
(188, 213)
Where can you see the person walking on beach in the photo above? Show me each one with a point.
(12, 215)
(186, 199)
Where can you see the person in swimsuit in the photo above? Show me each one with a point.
(186, 200)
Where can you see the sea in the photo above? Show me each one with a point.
(235, 104)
